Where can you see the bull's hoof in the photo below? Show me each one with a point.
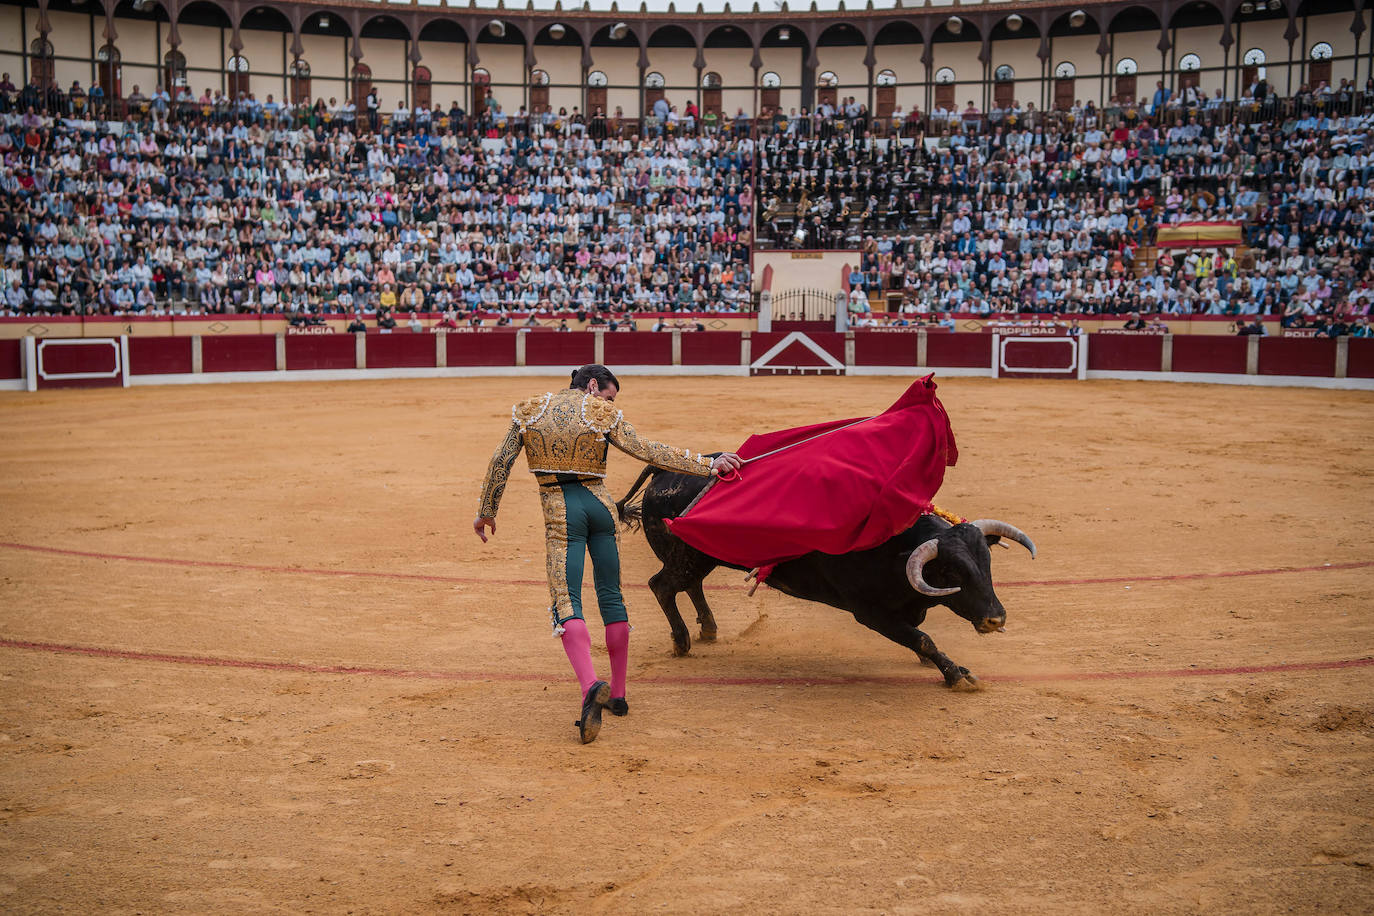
(967, 684)
(707, 635)
(926, 663)
(682, 647)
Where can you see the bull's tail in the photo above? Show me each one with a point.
(631, 510)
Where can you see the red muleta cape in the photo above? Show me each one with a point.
(837, 487)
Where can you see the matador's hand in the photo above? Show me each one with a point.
(726, 462)
(480, 523)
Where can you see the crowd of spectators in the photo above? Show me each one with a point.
(200, 213)
(246, 207)
(1049, 214)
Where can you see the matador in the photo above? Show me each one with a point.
(566, 436)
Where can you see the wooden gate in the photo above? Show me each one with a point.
(238, 77)
(110, 75)
(944, 96)
(362, 88)
(41, 63)
(596, 99)
(1125, 88)
(1318, 72)
(300, 82)
(539, 91)
(481, 88)
(710, 93)
(1004, 94)
(1063, 93)
(423, 87)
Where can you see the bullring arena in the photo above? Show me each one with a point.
(272, 275)
(255, 660)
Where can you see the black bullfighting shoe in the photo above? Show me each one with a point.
(590, 724)
(618, 706)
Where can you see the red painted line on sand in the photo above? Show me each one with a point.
(478, 580)
(211, 661)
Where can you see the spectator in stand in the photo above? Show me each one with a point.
(356, 326)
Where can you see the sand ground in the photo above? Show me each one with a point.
(439, 771)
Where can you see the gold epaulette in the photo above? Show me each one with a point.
(600, 415)
(530, 410)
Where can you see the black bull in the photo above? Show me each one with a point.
(888, 588)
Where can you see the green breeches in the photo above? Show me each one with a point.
(579, 519)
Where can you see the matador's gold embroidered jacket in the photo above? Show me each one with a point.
(567, 432)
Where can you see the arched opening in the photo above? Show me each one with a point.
(885, 86)
(944, 89)
(109, 75)
(770, 93)
(300, 82)
(1126, 69)
(894, 47)
(597, 81)
(1319, 65)
(1189, 71)
(1064, 76)
(481, 90)
(710, 93)
(362, 88)
(237, 68)
(539, 90)
(41, 62)
(1252, 68)
(174, 72)
(653, 88)
(827, 89)
(208, 72)
(451, 40)
(422, 83)
(839, 49)
(1004, 87)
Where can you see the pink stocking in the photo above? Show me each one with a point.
(578, 645)
(618, 645)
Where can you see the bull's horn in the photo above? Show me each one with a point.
(915, 567)
(991, 526)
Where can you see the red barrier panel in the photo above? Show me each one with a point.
(321, 351)
(79, 362)
(404, 350)
(11, 359)
(1297, 356)
(1208, 354)
(482, 348)
(797, 353)
(639, 348)
(159, 355)
(1038, 357)
(1361, 363)
(959, 351)
(552, 348)
(711, 348)
(1125, 352)
(885, 348)
(240, 353)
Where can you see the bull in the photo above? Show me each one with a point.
(888, 588)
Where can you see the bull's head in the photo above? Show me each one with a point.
(959, 560)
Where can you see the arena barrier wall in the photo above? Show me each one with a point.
(35, 362)
(46, 326)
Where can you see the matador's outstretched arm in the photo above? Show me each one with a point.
(498, 472)
(624, 437)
